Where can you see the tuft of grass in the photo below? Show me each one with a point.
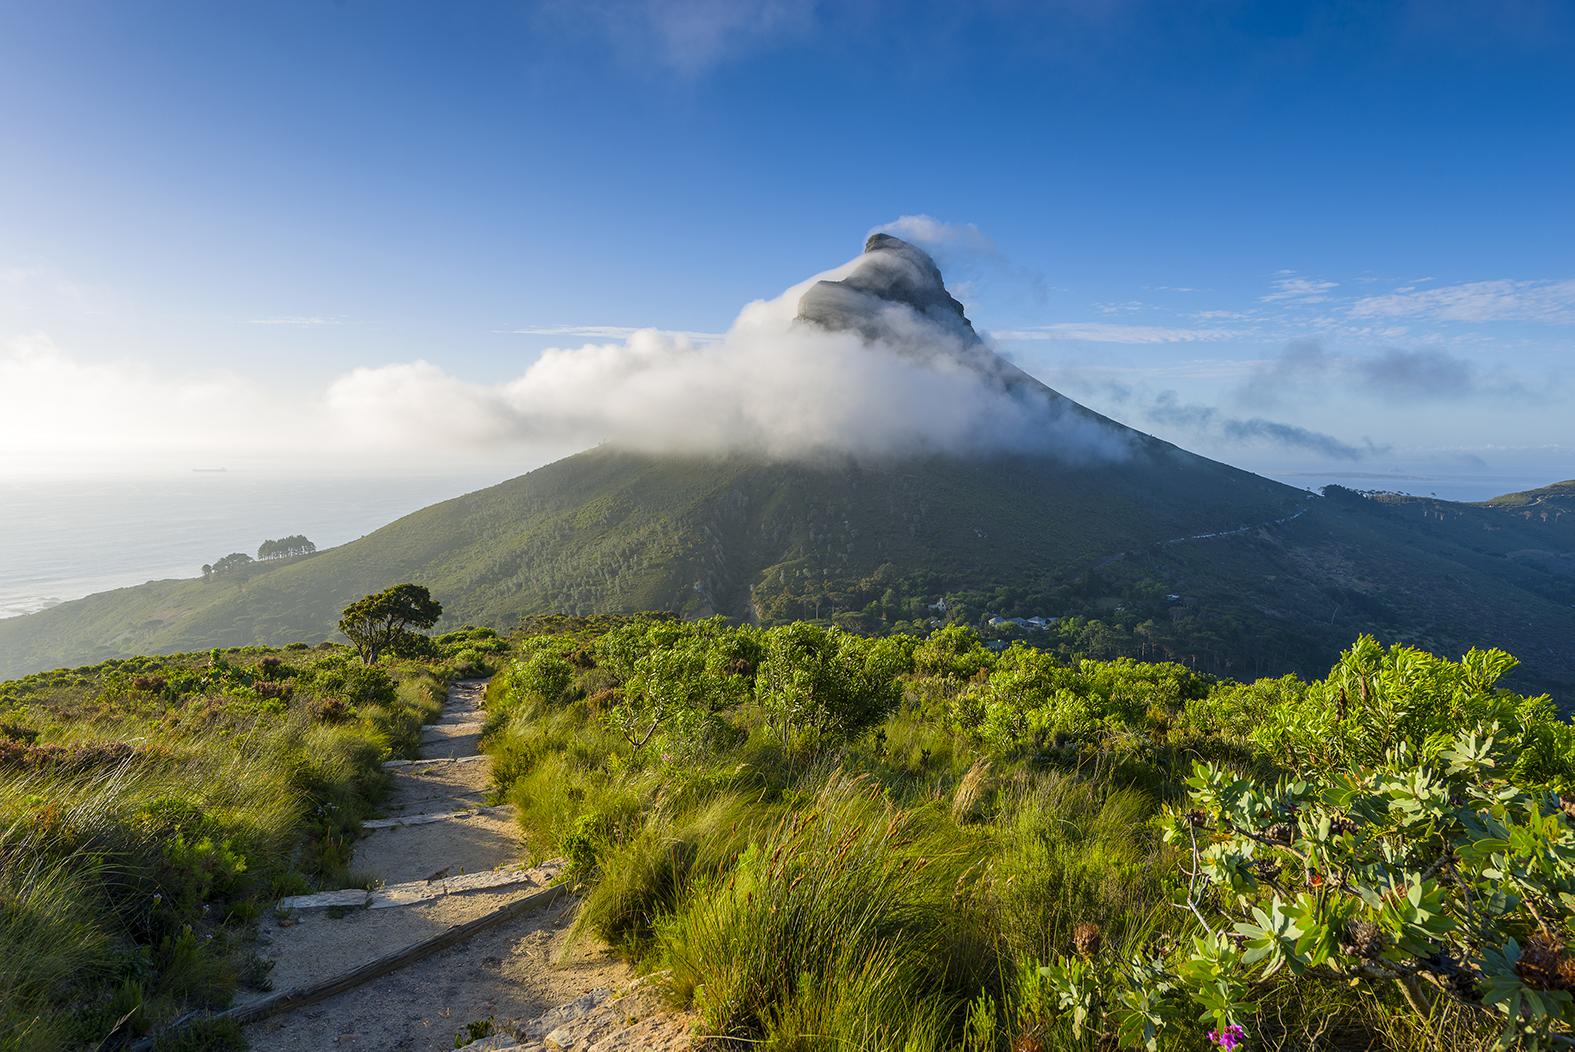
(851, 923)
(973, 790)
(51, 937)
(653, 871)
(1071, 850)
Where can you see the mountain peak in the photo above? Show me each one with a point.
(890, 274)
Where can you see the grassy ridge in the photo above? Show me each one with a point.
(150, 808)
(936, 821)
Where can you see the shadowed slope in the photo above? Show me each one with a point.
(607, 530)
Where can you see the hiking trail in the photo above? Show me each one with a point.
(446, 867)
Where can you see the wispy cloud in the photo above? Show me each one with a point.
(1112, 332)
(33, 286)
(302, 320)
(976, 268)
(1476, 301)
(1402, 375)
(1123, 307)
(607, 332)
(1169, 410)
(687, 37)
(60, 410)
(1290, 287)
(930, 232)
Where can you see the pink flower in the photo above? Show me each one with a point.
(1230, 1037)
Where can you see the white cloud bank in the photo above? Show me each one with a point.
(771, 385)
(61, 413)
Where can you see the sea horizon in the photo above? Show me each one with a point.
(66, 538)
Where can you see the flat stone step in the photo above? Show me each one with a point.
(389, 765)
(599, 1022)
(450, 799)
(402, 854)
(415, 891)
(435, 816)
(457, 713)
(439, 731)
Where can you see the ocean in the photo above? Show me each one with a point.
(62, 539)
(1443, 486)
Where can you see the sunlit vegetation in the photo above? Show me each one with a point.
(151, 808)
(388, 620)
(823, 840)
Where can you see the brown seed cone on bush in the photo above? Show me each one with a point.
(1543, 963)
(1364, 938)
(1028, 1043)
(1085, 938)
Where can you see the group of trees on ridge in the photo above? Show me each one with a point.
(283, 548)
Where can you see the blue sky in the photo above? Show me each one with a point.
(1327, 238)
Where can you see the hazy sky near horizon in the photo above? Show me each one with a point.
(1321, 237)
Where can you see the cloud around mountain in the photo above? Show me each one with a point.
(873, 358)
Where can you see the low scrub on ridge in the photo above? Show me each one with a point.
(822, 840)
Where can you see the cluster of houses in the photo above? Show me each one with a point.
(1030, 623)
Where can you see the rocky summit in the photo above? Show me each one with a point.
(894, 295)
(890, 275)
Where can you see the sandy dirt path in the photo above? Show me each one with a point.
(507, 975)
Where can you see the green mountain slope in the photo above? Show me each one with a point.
(1271, 579)
(1427, 572)
(1548, 503)
(609, 531)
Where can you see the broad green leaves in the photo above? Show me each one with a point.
(1427, 870)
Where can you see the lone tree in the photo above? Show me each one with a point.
(376, 622)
